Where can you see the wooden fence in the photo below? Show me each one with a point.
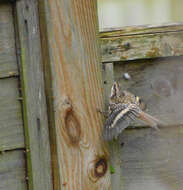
(24, 143)
(152, 56)
(51, 88)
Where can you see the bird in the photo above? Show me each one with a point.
(125, 107)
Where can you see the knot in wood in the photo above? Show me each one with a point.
(126, 46)
(100, 167)
(72, 127)
(97, 169)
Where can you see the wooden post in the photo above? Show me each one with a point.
(71, 54)
(28, 46)
(115, 159)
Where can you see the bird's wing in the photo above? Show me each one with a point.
(121, 117)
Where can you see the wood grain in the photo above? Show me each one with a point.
(108, 80)
(152, 160)
(77, 93)
(143, 158)
(141, 29)
(116, 46)
(44, 23)
(13, 171)
(8, 63)
(11, 125)
(34, 101)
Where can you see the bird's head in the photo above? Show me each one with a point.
(122, 96)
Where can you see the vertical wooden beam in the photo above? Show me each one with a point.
(44, 23)
(115, 162)
(108, 80)
(33, 92)
(71, 30)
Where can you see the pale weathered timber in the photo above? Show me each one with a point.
(34, 101)
(142, 29)
(11, 125)
(78, 93)
(8, 63)
(152, 159)
(159, 83)
(13, 170)
(119, 46)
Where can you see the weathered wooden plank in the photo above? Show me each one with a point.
(159, 83)
(8, 63)
(114, 148)
(77, 90)
(11, 126)
(115, 165)
(142, 29)
(141, 46)
(12, 171)
(34, 101)
(108, 80)
(152, 160)
(44, 23)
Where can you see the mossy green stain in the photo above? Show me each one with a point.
(112, 170)
(25, 118)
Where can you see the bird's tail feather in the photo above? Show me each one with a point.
(150, 120)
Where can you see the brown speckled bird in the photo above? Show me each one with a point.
(124, 107)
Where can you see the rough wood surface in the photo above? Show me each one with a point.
(11, 126)
(159, 83)
(8, 63)
(108, 80)
(142, 29)
(12, 171)
(78, 92)
(152, 160)
(34, 102)
(119, 46)
(43, 10)
(143, 158)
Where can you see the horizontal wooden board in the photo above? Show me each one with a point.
(12, 171)
(11, 127)
(141, 29)
(159, 83)
(151, 160)
(8, 63)
(141, 46)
